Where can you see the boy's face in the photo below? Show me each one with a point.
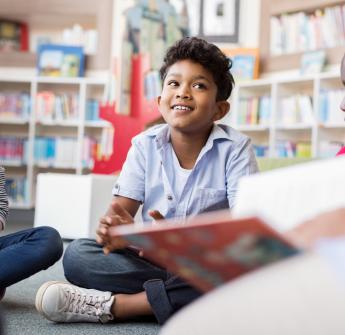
(342, 76)
(188, 100)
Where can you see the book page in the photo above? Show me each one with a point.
(288, 196)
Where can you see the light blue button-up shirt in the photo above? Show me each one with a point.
(148, 173)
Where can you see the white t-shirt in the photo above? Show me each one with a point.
(181, 176)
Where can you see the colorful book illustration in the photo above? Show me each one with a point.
(60, 60)
(210, 249)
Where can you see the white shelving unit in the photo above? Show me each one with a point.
(314, 132)
(31, 128)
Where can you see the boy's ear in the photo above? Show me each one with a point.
(222, 109)
(158, 100)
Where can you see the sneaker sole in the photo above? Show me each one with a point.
(40, 294)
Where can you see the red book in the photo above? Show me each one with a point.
(210, 249)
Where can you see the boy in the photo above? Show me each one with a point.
(26, 252)
(310, 294)
(188, 166)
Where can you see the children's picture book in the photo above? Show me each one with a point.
(13, 36)
(60, 60)
(209, 249)
(245, 63)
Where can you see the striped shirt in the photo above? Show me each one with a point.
(3, 199)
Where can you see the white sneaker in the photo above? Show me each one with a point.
(64, 302)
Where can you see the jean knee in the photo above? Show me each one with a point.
(75, 258)
(51, 243)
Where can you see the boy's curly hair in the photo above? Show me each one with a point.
(206, 54)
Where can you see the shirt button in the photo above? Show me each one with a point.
(116, 186)
(169, 197)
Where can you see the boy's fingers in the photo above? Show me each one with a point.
(156, 215)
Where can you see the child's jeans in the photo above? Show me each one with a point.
(26, 252)
(123, 271)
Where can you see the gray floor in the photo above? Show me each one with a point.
(18, 308)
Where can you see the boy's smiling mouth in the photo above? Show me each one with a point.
(180, 107)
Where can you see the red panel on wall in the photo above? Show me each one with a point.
(127, 126)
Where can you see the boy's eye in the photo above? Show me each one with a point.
(200, 85)
(173, 83)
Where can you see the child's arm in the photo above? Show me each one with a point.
(3, 200)
(326, 225)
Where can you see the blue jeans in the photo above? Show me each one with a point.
(26, 252)
(123, 271)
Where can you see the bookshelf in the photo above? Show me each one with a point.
(275, 8)
(31, 143)
(315, 129)
(48, 18)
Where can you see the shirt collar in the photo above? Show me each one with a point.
(162, 134)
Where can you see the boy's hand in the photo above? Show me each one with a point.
(156, 216)
(116, 216)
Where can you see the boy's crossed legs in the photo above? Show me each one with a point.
(121, 285)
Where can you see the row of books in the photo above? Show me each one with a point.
(13, 150)
(300, 32)
(92, 110)
(296, 109)
(329, 110)
(52, 106)
(254, 110)
(14, 105)
(97, 150)
(287, 149)
(17, 189)
(61, 152)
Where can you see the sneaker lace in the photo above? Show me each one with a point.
(87, 304)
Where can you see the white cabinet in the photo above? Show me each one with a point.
(288, 117)
(72, 204)
(32, 142)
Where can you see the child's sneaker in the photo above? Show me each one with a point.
(2, 293)
(64, 302)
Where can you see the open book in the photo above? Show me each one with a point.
(209, 249)
(213, 248)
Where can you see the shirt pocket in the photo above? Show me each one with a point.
(210, 199)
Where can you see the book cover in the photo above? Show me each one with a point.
(13, 36)
(60, 60)
(210, 249)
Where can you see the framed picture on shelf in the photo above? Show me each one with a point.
(245, 63)
(55, 60)
(220, 20)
